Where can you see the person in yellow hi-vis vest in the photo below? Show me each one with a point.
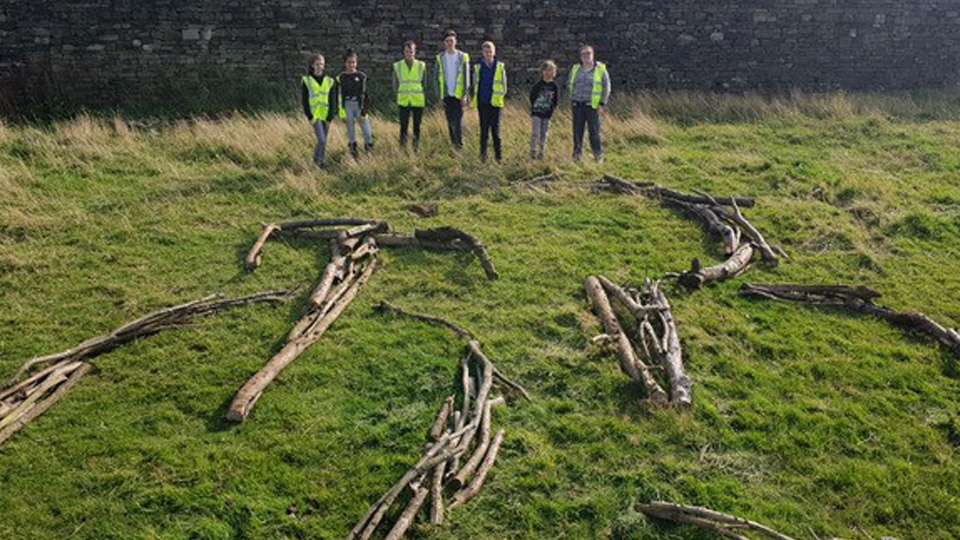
(408, 77)
(489, 89)
(589, 93)
(319, 97)
(453, 81)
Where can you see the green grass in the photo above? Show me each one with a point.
(815, 422)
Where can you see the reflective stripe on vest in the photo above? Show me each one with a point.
(496, 99)
(319, 95)
(410, 83)
(597, 93)
(461, 73)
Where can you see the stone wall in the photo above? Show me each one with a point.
(113, 52)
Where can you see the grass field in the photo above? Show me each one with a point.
(816, 422)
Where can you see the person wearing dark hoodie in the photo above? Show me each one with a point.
(319, 98)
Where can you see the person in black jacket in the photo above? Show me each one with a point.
(355, 103)
(543, 101)
(319, 98)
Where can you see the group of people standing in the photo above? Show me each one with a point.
(458, 84)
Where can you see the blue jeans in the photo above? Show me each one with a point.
(320, 129)
(352, 109)
(585, 115)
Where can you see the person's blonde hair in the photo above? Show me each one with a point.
(547, 64)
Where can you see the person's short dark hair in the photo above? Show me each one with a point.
(449, 33)
(409, 43)
(350, 52)
(586, 46)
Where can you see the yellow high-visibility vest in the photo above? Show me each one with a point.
(461, 75)
(410, 87)
(597, 94)
(319, 95)
(496, 99)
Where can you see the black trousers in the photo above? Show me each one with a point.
(586, 116)
(454, 111)
(405, 113)
(489, 125)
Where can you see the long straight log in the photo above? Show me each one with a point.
(406, 518)
(672, 353)
(147, 325)
(250, 392)
(676, 512)
(330, 222)
(727, 234)
(629, 363)
(465, 472)
(470, 491)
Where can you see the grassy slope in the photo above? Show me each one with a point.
(815, 422)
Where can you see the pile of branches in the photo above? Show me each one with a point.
(726, 525)
(722, 216)
(859, 299)
(28, 396)
(655, 345)
(354, 244)
(456, 459)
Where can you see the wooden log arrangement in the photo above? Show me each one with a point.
(726, 525)
(859, 299)
(658, 343)
(442, 473)
(722, 216)
(28, 396)
(354, 244)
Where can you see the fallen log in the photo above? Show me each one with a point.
(629, 363)
(24, 400)
(718, 522)
(860, 300)
(310, 329)
(470, 491)
(698, 276)
(449, 234)
(729, 235)
(253, 259)
(622, 186)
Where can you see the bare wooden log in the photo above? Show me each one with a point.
(405, 240)
(250, 392)
(436, 495)
(629, 363)
(447, 234)
(649, 188)
(858, 299)
(767, 252)
(41, 406)
(386, 307)
(147, 325)
(681, 512)
(466, 472)
(671, 352)
(471, 490)
(729, 236)
(698, 276)
(439, 425)
(252, 260)
(406, 518)
(330, 222)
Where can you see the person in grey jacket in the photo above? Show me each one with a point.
(589, 93)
